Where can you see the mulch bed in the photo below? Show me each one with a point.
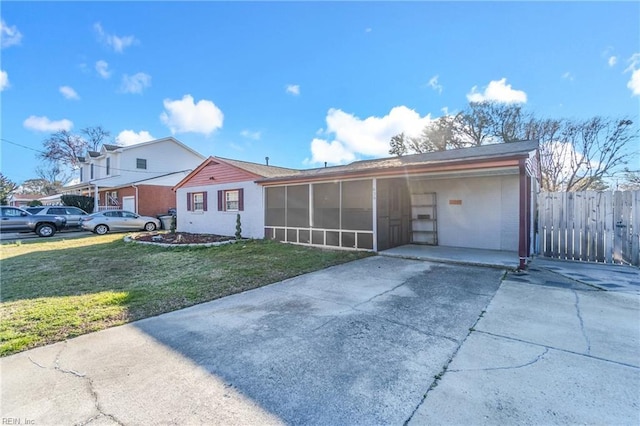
(181, 238)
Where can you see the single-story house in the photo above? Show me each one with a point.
(209, 198)
(480, 197)
(22, 200)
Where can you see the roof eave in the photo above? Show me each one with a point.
(462, 164)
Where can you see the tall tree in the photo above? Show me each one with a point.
(398, 145)
(575, 155)
(631, 180)
(7, 187)
(64, 147)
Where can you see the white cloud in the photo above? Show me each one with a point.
(43, 124)
(117, 43)
(568, 76)
(634, 69)
(129, 137)
(102, 67)
(497, 91)
(368, 30)
(4, 80)
(182, 116)
(293, 89)
(370, 137)
(250, 135)
(10, 35)
(69, 93)
(135, 83)
(331, 152)
(433, 83)
(612, 61)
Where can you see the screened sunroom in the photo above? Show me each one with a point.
(336, 214)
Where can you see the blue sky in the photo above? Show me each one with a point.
(300, 82)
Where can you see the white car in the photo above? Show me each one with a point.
(118, 220)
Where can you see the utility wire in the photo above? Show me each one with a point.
(95, 165)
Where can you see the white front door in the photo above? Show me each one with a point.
(129, 204)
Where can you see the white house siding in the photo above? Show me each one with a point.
(487, 217)
(163, 156)
(219, 222)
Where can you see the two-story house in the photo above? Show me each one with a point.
(137, 177)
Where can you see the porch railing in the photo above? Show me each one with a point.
(105, 208)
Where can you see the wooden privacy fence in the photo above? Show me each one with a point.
(590, 226)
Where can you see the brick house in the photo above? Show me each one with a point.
(136, 177)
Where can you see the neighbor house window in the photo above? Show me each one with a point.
(141, 163)
(91, 174)
(231, 200)
(108, 166)
(81, 174)
(197, 201)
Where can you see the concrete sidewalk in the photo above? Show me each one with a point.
(548, 350)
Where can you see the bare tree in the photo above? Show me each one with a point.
(95, 136)
(64, 147)
(631, 180)
(578, 155)
(575, 155)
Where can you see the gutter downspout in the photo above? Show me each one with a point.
(136, 199)
(523, 244)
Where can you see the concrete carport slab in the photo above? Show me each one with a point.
(548, 350)
(358, 343)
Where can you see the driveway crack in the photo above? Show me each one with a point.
(513, 367)
(584, 333)
(379, 294)
(90, 386)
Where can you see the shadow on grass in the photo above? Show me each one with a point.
(53, 294)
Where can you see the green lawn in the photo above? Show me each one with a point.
(54, 290)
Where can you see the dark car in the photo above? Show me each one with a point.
(14, 219)
(74, 215)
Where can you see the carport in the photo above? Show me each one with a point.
(477, 198)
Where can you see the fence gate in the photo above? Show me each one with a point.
(590, 226)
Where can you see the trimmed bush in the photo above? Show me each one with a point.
(80, 201)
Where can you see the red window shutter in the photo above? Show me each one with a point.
(204, 201)
(189, 201)
(240, 199)
(220, 200)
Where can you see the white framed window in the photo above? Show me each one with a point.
(231, 201)
(198, 202)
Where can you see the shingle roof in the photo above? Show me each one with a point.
(260, 169)
(110, 147)
(493, 151)
(93, 154)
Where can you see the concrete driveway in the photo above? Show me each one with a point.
(358, 343)
(378, 341)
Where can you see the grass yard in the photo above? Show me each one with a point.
(56, 289)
